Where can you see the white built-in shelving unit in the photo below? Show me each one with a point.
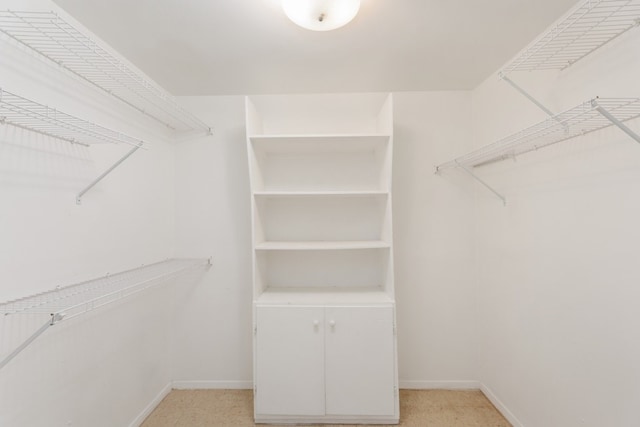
(584, 29)
(74, 50)
(64, 303)
(324, 303)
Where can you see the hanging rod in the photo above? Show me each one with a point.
(71, 301)
(590, 116)
(57, 40)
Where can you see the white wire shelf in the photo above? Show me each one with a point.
(71, 301)
(587, 27)
(26, 114)
(580, 120)
(54, 38)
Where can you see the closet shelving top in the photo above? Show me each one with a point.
(54, 38)
(586, 117)
(27, 114)
(584, 29)
(70, 301)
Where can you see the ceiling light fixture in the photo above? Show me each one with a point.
(321, 15)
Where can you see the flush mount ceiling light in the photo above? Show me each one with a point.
(321, 15)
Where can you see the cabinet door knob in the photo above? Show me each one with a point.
(332, 323)
(316, 323)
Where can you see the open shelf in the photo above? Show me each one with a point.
(319, 114)
(586, 117)
(584, 29)
(64, 303)
(351, 268)
(320, 163)
(314, 143)
(321, 245)
(319, 194)
(321, 296)
(315, 219)
(54, 38)
(26, 114)
(70, 301)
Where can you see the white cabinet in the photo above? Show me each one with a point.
(335, 362)
(320, 173)
(359, 361)
(290, 361)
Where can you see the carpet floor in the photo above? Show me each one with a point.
(234, 408)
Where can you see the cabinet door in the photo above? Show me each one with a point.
(360, 361)
(290, 361)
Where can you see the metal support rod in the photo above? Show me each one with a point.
(526, 95)
(55, 318)
(105, 173)
(477, 178)
(616, 122)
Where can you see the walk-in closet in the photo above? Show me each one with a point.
(319, 212)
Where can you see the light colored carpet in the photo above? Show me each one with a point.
(234, 408)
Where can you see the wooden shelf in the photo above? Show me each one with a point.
(345, 143)
(322, 246)
(322, 296)
(336, 193)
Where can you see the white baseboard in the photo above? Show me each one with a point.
(500, 406)
(212, 385)
(439, 385)
(151, 406)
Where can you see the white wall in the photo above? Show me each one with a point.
(80, 371)
(558, 276)
(433, 237)
(213, 332)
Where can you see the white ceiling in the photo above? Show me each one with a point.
(225, 47)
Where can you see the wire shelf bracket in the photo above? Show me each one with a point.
(586, 28)
(526, 95)
(104, 174)
(70, 301)
(482, 182)
(70, 48)
(590, 116)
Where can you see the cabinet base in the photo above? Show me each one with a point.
(344, 419)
